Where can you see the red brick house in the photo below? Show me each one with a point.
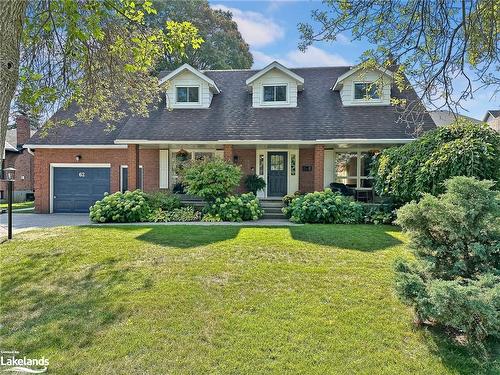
(300, 129)
(21, 159)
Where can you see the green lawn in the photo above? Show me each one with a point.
(17, 206)
(216, 300)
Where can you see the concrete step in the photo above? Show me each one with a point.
(268, 215)
(271, 204)
(272, 210)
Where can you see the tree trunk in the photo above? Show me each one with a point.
(11, 25)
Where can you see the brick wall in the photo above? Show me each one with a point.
(149, 158)
(246, 159)
(23, 163)
(23, 132)
(306, 179)
(319, 165)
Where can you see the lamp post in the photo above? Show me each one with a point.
(10, 173)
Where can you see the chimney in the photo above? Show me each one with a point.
(22, 129)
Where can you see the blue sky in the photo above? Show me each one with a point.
(270, 28)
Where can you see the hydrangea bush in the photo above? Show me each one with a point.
(128, 207)
(236, 208)
(324, 207)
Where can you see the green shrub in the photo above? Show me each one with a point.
(254, 183)
(157, 216)
(461, 149)
(379, 213)
(211, 179)
(236, 208)
(163, 201)
(287, 199)
(324, 207)
(455, 279)
(127, 207)
(211, 218)
(183, 214)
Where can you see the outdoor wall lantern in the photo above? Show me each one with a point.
(78, 157)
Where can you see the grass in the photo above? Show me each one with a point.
(217, 300)
(20, 205)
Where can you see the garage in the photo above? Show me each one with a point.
(76, 188)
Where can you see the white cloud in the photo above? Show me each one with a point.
(313, 56)
(257, 29)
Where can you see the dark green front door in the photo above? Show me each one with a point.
(277, 174)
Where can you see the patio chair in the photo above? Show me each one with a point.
(342, 189)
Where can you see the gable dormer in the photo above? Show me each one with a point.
(360, 86)
(275, 86)
(187, 87)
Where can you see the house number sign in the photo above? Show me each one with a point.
(81, 174)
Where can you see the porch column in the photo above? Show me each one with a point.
(319, 163)
(133, 167)
(228, 153)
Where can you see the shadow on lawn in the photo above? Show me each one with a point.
(352, 237)
(41, 312)
(462, 360)
(188, 236)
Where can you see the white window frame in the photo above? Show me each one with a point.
(358, 176)
(171, 161)
(275, 103)
(187, 103)
(141, 171)
(369, 100)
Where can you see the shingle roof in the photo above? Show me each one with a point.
(319, 115)
(494, 112)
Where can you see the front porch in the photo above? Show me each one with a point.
(286, 168)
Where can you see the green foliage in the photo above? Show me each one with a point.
(163, 201)
(211, 179)
(379, 214)
(464, 148)
(324, 207)
(102, 54)
(254, 183)
(223, 47)
(236, 208)
(127, 207)
(456, 240)
(183, 214)
(287, 199)
(211, 218)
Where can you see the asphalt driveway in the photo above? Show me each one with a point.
(22, 222)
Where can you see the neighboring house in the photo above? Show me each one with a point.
(21, 159)
(492, 118)
(300, 129)
(443, 117)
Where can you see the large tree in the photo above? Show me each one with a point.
(224, 47)
(97, 53)
(447, 49)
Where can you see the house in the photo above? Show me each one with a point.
(21, 159)
(492, 118)
(300, 129)
(444, 118)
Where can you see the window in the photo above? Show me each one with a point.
(353, 168)
(190, 94)
(261, 165)
(275, 93)
(124, 178)
(366, 90)
(277, 163)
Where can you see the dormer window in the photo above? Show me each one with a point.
(273, 94)
(187, 94)
(366, 91)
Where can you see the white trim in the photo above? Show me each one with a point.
(188, 103)
(163, 169)
(365, 100)
(268, 141)
(70, 165)
(196, 72)
(275, 103)
(353, 70)
(275, 65)
(33, 146)
(141, 171)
